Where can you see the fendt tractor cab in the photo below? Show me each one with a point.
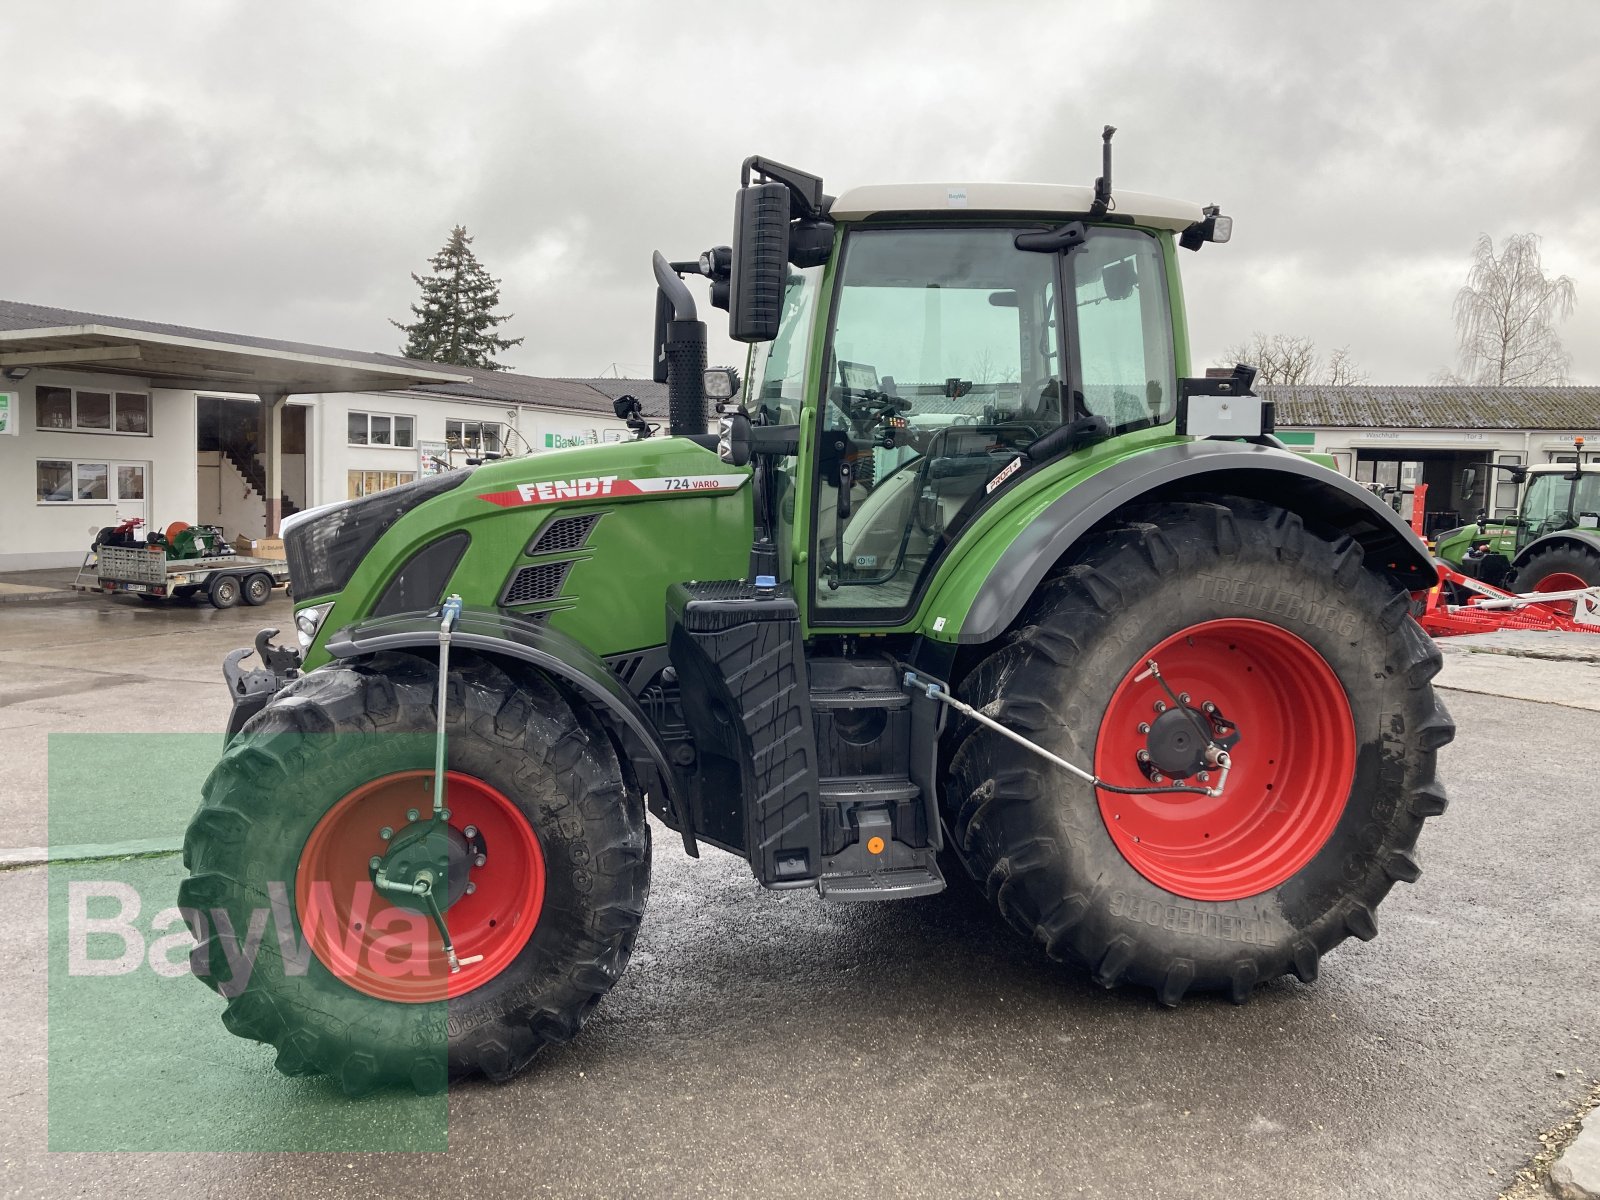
(974, 576)
(1553, 543)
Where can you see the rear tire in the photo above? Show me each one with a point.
(312, 753)
(1557, 568)
(1297, 870)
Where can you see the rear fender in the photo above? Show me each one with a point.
(1583, 539)
(501, 635)
(1324, 499)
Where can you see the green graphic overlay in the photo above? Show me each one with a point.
(139, 1055)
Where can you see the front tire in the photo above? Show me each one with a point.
(1326, 679)
(297, 810)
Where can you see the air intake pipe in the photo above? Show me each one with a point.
(680, 360)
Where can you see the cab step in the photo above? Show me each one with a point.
(905, 883)
(877, 867)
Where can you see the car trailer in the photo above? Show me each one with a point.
(224, 580)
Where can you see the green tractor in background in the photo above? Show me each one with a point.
(975, 577)
(1553, 544)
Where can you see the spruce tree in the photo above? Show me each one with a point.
(456, 320)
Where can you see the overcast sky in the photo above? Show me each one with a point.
(279, 169)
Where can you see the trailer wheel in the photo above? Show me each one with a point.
(544, 872)
(224, 591)
(258, 589)
(1267, 637)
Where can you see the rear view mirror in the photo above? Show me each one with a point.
(1469, 481)
(1119, 279)
(760, 262)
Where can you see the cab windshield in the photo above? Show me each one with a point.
(1555, 502)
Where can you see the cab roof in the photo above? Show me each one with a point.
(1042, 199)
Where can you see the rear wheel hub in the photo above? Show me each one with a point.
(1176, 746)
(1290, 741)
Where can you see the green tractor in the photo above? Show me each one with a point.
(1553, 544)
(973, 577)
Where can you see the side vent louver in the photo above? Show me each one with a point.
(533, 584)
(564, 535)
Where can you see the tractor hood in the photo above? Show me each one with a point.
(587, 539)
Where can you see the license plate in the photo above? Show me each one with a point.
(136, 587)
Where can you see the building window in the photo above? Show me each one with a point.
(85, 410)
(365, 483)
(381, 429)
(70, 481)
(476, 436)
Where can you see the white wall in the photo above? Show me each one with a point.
(227, 499)
(35, 535)
(180, 487)
(332, 456)
(1537, 445)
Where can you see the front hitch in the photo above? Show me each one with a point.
(249, 690)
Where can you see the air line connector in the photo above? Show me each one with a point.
(449, 614)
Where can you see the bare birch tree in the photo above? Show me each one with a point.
(1507, 313)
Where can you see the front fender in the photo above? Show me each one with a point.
(564, 658)
(1323, 498)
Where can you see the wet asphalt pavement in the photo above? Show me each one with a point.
(767, 1044)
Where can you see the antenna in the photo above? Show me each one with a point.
(1102, 186)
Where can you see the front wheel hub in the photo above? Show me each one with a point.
(1290, 773)
(444, 852)
(490, 882)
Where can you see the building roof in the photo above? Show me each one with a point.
(1053, 199)
(180, 355)
(1448, 406)
(577, 395)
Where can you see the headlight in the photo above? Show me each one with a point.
(306, 623)
(324, 547)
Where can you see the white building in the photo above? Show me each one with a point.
(103, 419)
(1398, 437)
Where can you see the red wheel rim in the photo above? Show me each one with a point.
(1561, 581)
(395, 952)
(1291, 769)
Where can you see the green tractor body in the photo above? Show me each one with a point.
(1553, 544)
(973, 575)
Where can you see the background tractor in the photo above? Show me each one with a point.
(1553, 545)
(973, 577)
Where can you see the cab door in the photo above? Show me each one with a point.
(949, 353)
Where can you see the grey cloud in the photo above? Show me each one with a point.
(280, 170)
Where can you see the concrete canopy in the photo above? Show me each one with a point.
(175, 356)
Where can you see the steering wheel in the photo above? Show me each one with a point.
(870, 408)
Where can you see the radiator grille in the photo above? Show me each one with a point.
(564, 534)
(542, 581)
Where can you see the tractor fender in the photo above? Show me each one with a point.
(1323, 498)
(1585, 539)
(505, 635)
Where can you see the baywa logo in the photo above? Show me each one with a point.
(373, 940)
